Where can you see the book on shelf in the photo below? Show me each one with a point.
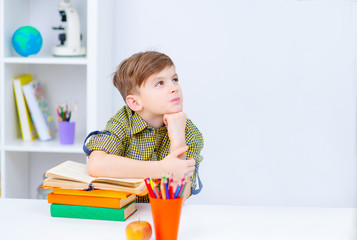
(90, 201)
(97, 213)
(74, 175)
(92, 193)
(40, 113)
(28, 130)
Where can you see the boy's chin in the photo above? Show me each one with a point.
(171, 112)
(174, 110)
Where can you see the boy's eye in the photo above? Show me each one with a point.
(159, 83)
(175, 80)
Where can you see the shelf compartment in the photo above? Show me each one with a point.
(24, 171)
(16, 176)
(61, 83)
(43, 15)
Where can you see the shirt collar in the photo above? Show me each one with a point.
(137, 124)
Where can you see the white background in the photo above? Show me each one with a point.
(271, 85)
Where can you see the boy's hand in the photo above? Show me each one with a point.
(173, 164)
(176, 125)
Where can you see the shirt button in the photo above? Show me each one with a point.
(154, 149)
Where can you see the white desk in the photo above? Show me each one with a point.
(30, 219)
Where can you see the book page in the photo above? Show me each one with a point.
(127, 182)
(140, 190)
(62, 183)
(72, 171)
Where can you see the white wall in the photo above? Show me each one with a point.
(271, 85)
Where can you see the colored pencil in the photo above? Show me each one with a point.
(177, 191)
(182, 192)
(171, 190)
(156, 191)
(167, 188)
(151, 183)
(163, 193)
(181, 188)
(171, 186)
(151, 193)
(65, 112)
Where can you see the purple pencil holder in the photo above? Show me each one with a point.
(66, 132)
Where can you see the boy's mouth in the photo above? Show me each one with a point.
(176, 100)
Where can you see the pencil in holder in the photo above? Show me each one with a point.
(166, 215)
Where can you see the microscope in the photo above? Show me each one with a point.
(71, 38)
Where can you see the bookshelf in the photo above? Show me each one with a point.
(85, 80)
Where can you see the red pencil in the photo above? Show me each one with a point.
(171, 189)
(171, 185)
(151, 193)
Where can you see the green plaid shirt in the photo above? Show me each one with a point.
(133, 138)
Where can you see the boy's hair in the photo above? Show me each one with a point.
(135, 70)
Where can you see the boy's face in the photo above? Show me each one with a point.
(161, 93)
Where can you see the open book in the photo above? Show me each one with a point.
(74, 175)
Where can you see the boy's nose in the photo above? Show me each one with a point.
(173, 88)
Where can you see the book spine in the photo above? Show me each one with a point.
(93, 193)
(22, 111)
(84, 212)
(89, 201)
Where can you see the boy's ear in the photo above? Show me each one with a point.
(133, 103)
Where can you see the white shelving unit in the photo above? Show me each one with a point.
(85, 80)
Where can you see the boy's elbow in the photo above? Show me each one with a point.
(95, 163)
(92, 170)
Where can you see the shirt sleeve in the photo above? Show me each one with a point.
(194, 141)
(111, 144)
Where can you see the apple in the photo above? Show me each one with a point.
(138, 230)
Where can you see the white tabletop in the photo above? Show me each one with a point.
(30, 219)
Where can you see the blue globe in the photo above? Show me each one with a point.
(27, 41)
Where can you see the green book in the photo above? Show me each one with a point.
(98, 213)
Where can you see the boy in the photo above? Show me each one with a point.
(150, 136)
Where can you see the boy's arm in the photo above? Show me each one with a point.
(176, 125)
(103, 164)
(105, 159)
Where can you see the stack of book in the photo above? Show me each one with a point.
(78, 195)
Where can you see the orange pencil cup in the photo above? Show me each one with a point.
(166, 215)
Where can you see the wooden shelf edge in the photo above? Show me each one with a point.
(45, 147)
(46, 60)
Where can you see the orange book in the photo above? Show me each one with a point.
(103, 202)
(92, 193)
